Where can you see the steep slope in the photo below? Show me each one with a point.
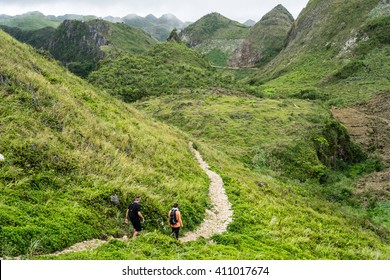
(39, 38)
(81, 45)
(336, 51)
(265, 40)
(216, 36)
(241, 137)
(369, 125)
(68, 147)
(166, 69)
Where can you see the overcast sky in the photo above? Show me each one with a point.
(192, 10)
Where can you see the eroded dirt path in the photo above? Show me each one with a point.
(218, 218)
(216, 221)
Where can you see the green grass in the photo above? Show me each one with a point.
(288, 168)
(276, 217)
(214, 27)
(166, 69)
(337, 74)
(68, 147)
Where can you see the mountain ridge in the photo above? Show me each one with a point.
(216, 36)
(80, 45)
(157, 27)
(299, 185)
(265, 40)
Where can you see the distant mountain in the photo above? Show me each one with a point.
(73, 17)
(336, 50)
(250, 22)
(216, 36)
(2, 16)
(79, 45)
(159, 28)
(265, 40)
(29, 21)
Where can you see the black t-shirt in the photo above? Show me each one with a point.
(134, 208)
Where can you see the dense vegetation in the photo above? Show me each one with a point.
(213, 26)
(344, 61)
(166, 69)
(216, 36)
(80, 45)
(273, 218)
(288, 167)
(39, 38)
(265, 40)
(69, 147)
(158, 28)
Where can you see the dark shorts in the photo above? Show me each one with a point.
(136, 224)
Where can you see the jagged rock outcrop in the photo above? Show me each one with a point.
(265, 40)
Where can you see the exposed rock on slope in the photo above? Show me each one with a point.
(266, 39)
(216, 36)
(369, 125)
(79, 45)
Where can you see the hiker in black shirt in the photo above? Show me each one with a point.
(134, 214)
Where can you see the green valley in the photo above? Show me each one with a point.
(300, 138)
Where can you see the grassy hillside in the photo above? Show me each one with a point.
(289, 168)
(216, 36)
(274, 218)
(80, 45)
(336, 51)
(166, 69)
(39, 38)
(68, 147)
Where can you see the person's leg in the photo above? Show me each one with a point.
(175, 231)
(137, 227)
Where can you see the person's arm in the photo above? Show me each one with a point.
(140, 215)
(178, 216)
(127, 216)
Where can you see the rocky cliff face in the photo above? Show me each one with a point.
(216, 36)
(76, 39)
(265, 40)
(79, 45)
